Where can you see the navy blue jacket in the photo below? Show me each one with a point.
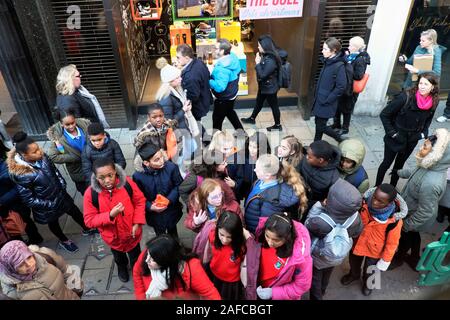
(82, 106)
(249, 178)
(9, 195)
(196, 81)
(41, 189)
(173, 110)
(278, 198)
(164, 182)
(330, 86)
(267, 74)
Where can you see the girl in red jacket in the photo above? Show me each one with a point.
(115, 206)
(165, 271)
(222, 246)
(377, 243)
(207, 202)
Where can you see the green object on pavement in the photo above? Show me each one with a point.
(431, 261)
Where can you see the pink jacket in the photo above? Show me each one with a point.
(294, 279)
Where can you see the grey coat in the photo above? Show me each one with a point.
(426, 185)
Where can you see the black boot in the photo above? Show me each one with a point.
(250, 120)
(122, 272)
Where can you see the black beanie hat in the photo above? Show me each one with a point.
(322, 149)
(147, 151)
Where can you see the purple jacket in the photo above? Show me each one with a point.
(201, 247)
(294, 279)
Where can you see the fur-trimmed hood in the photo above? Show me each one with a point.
(17, 166)
(121, 176)
(439, 158)
(150, 132)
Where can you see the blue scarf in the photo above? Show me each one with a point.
(352, 56)
(381, 214)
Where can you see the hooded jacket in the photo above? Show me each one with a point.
(426, 184)
(295, 277)
(111, 150)
(330, 86)
(47, 284)
(267, 74)
(342, 202)
(225, 77)
(320, 180)
(71, 156)
(354, 150)
(43, 189)
(165, 182)
(116, 232)
(360, 64)
(278, 198)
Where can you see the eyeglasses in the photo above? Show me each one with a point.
(103, 178)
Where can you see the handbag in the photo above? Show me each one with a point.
(14, 224)
(359, 85)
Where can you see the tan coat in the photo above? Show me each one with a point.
(47, 284)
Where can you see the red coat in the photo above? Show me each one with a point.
(229, 204)
(117, 232)
(198, 285)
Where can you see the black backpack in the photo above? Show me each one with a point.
(94, 195)
(349, 77)
(285, 74)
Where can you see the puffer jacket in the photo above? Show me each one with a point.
(224, 80)
(342, 202)
(47, 284)
(279, 198)
(71, 156)
(375, 241)
(111, 150)
(173, 110)
(320, 180)
(295, 277)
(116, 232)
(165, 182)
(41, 189)
(426, 185)
(267, 74)
(198, 285)
(354, 150)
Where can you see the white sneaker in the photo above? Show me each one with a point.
(442, 119)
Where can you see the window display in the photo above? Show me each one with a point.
(191, 10)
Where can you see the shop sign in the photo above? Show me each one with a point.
(271, 9)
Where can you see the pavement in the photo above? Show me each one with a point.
(95, 259)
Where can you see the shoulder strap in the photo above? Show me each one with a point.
(94, 196)
(391, 226)
(350, 220)
(129, 189)
(327, 219)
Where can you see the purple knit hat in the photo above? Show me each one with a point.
(12, 255)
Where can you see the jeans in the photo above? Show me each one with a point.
(121, 258)
(222, 109)
(321, 128)
(319, 284)
(272, 99)
(389, 156)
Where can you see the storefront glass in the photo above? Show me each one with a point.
(425, 14)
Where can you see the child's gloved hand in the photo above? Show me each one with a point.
(264, 293)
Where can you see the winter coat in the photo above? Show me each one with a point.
(278, 198)
(9, 194)
(116, 232)
(426, 185)
(234, 170)
(445, 200)
(354, 149)
(375, 241)
(198, 285)
(342, 202)
(402, 207)
(173, 110)
(295, 277)
(405, 119)
(249, 177)
(165, 182)
(267, 74)
(49, 283)
(229, 203)
(224, 80)
(82, 107)
(41, 189)
(196, 81)
(110, 150)
(71, 156)
(438, 50)
(330, 86)
(319, 180)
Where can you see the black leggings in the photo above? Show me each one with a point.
(389, 156)
(222, 109)
(121, 259)
(272, 99)
(72, 210)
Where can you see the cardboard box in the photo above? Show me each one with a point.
(422, 62)
(180, 34)
(232, 32)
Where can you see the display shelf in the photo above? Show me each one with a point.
(149, 10)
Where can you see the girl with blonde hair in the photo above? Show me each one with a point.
(290, 150)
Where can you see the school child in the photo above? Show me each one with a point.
(350, 167)
(290, 150)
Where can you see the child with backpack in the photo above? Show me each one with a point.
(100, 145)
(332, 224)
(378, 241)
(115, 206)
(290, 150)
(159, 180)
(278, 261)
(221, 245)
(350, 166)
